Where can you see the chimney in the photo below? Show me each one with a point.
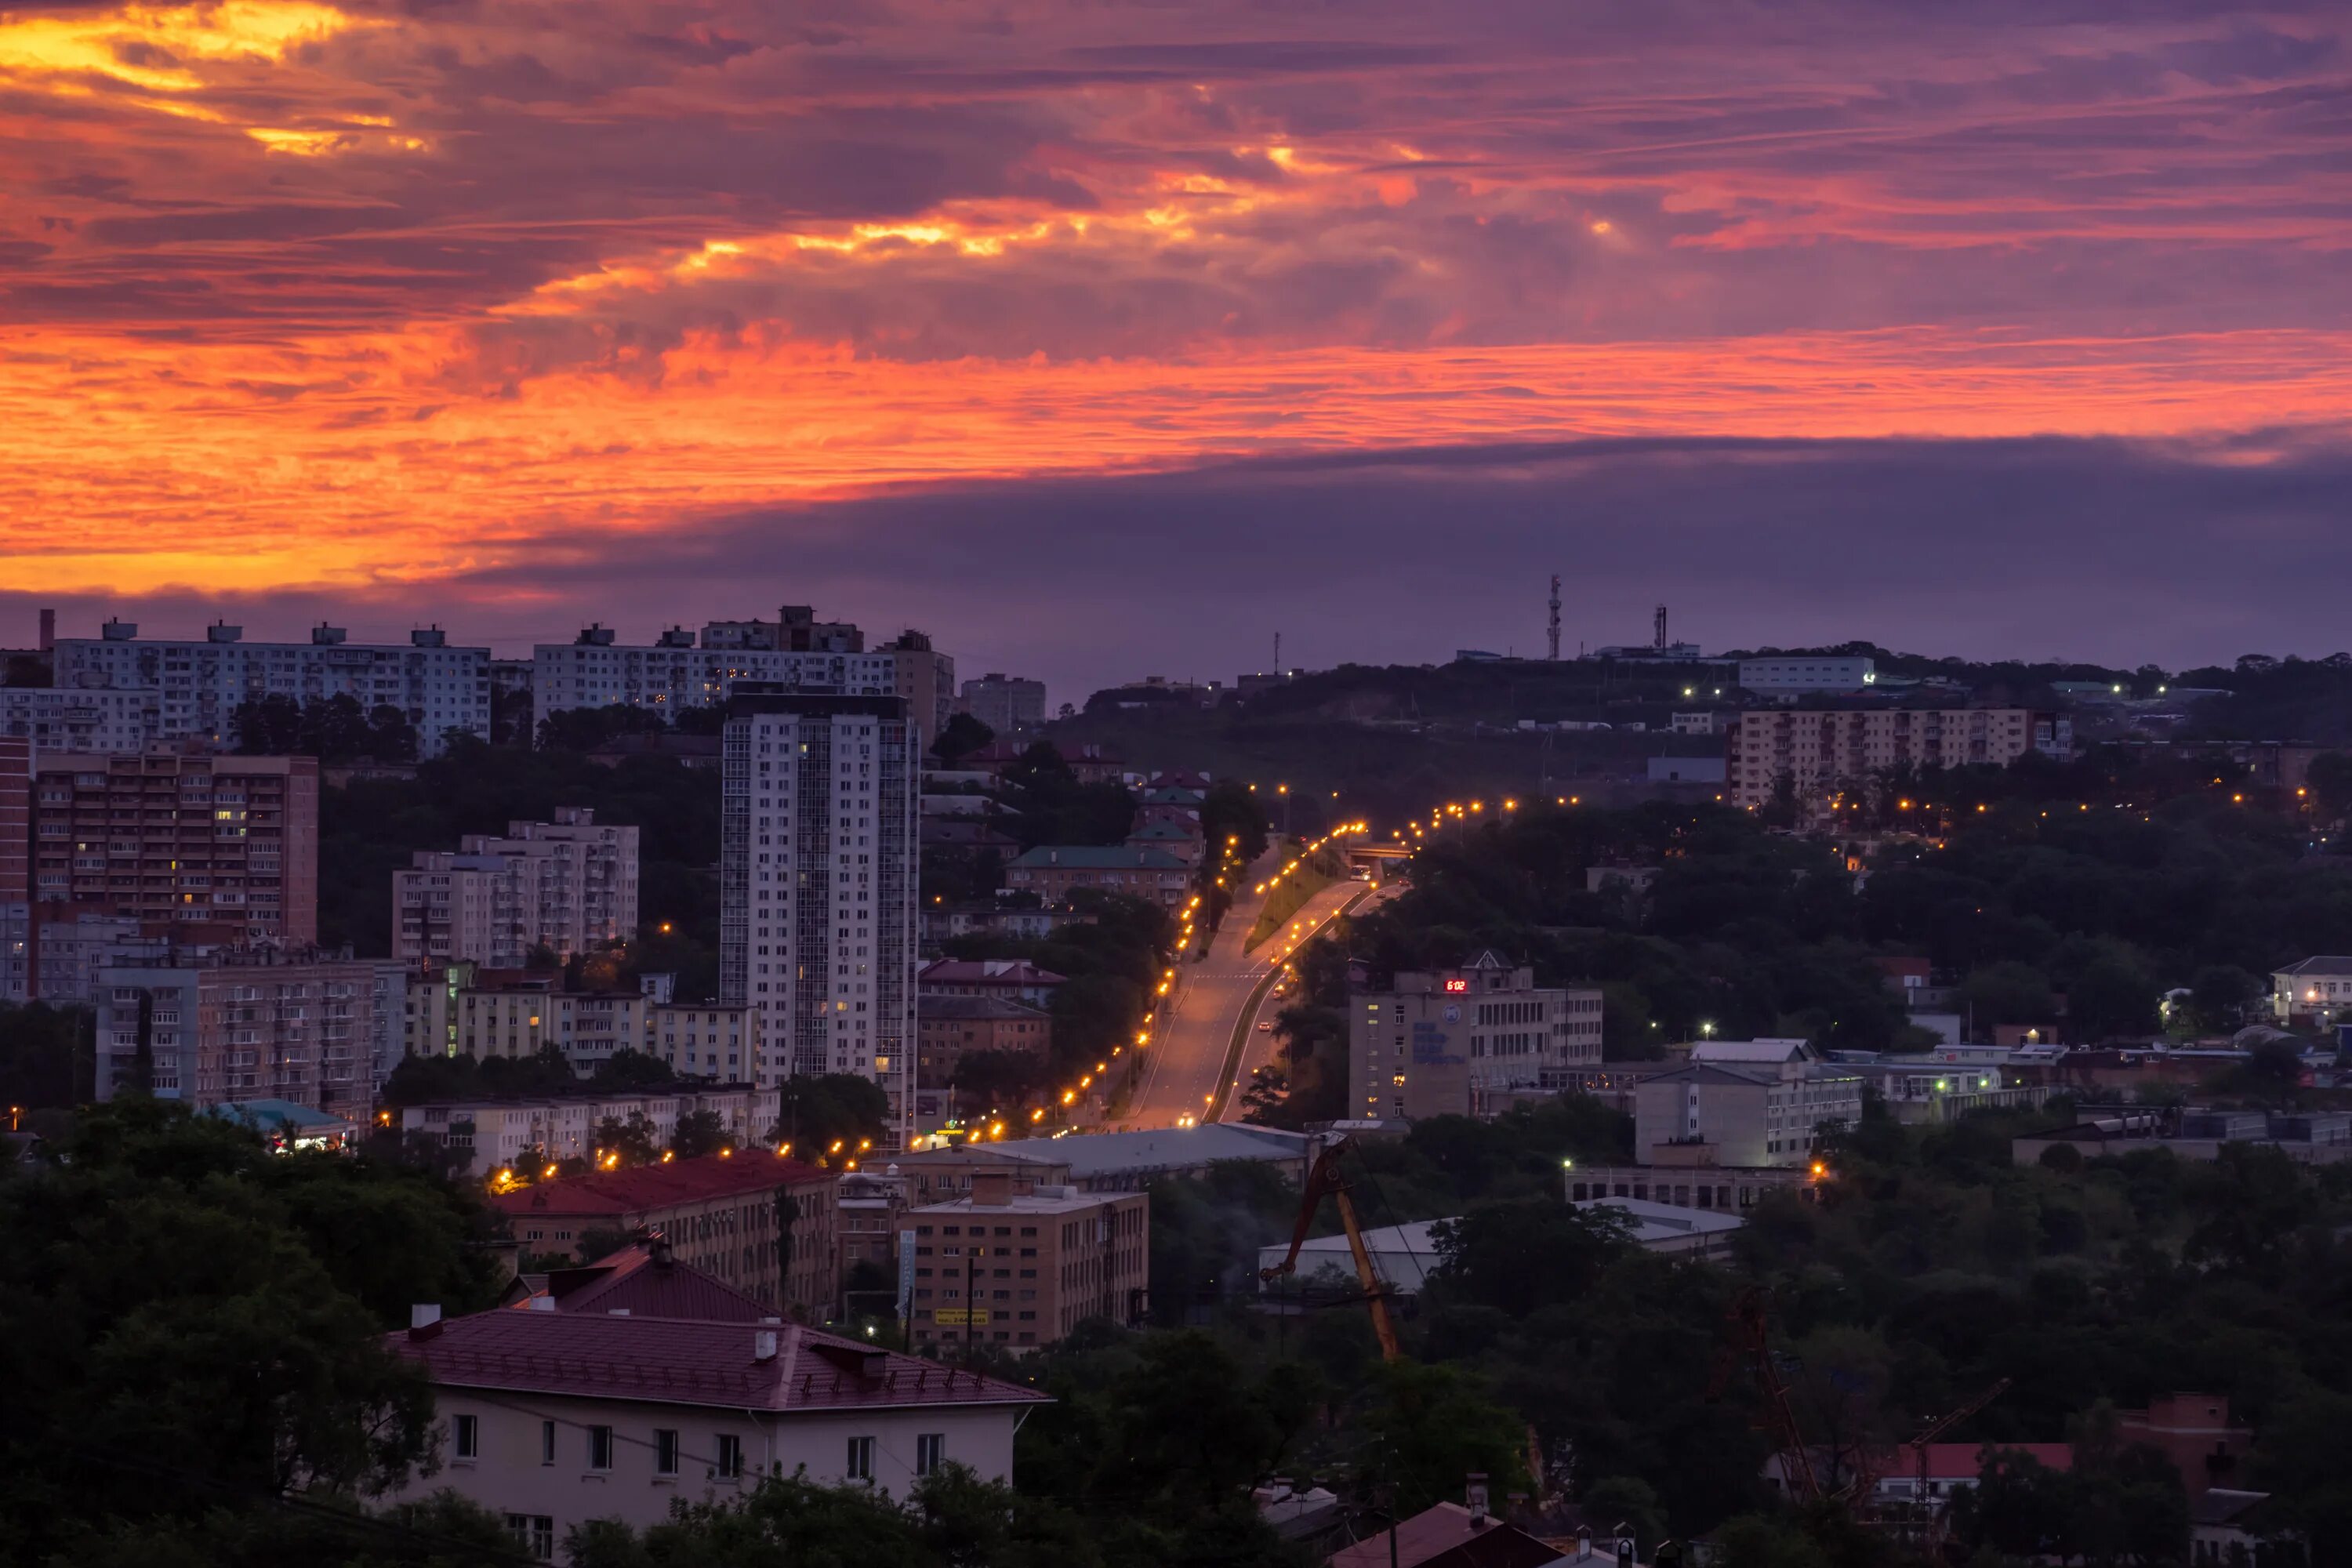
(48, 631)
(423, 1320)
(763, 1345)
(1477, 1499)
(992, 1189)
(542, 1303)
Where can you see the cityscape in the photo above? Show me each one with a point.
(1166, 786)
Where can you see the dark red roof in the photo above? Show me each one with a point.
(616, 1192)
(680, 1360)
(644, 1281)
(1004, 971)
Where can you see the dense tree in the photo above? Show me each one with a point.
(961, 736)
(47, 1055)
(332, 729)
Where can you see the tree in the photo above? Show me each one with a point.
(2220, 993)
(1431, 1425)
(627, 1070)
(1518, 1256)
(699, 1133)
(961, 736)
(826, 1116)
(2007, 993)
(1628, 1502)
(47, 1055)
(624, 1146)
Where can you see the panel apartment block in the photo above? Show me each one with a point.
(190, 839)
(1820, 751)
(570, 885)
(199, 683)
(817, 884)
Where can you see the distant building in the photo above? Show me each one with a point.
(1821, 751)
(1678, 1229)
(166, 837)
(868, 1205)
(1702, 723)
(1054, 872)
(1466, 1042)
(1017, 1271)
(1746, 1103)
(1007, 704)
(513, 1013)
(950, 1028)
(1006, 979)
(721, 1214)
(73, 719)
(1106, 1161)
(484, 1136)
(1802, 675)
(2318, 989)
(2190, 1132)
(551, 1418)
(569, 886)
(712, 1040)
(198, 684)
(1687, 1182)
(1402, 1255)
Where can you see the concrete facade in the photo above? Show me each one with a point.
(1037, 1264)
(1821, 751)
(1464, 1042)
(569, 885)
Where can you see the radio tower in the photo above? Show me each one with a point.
(1554, 618)
(1658, 636)
(1278, 655)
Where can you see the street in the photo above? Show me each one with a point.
(1195, 1033)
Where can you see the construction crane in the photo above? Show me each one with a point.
(1324, 1180)
(1936, 1428)
(1748, 1342)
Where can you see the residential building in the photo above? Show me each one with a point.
(2195, 1431)
(1946, 1085)
(947, 1027)
(1746, 1103)
(1807, 675)
(866, 1228)
(1018, 921)
(18, 979)
(551, 1418)
(1451, 1535)
(1701, 723)
(709, 1039)
(1106, 1161)
(1007, 704)
(569, 886)
(817, 884)
(1468, 1041)
(1821, 751)
(924, 679)
(490, 1135)
(761, 1223)
(1005, 979)
(74, 718)
(515, 1015)
(1022, 1270)
(2193, 1133)
(1684, 1181)
(198, 684)
(2317, 989)
(1181, 839)
(1402, 1255)
(1053, 871)
(642, 1278)
(680, 671)
(245, 1025)
(165, 838)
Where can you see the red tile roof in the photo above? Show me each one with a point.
(680, 1360)
(618, 1193)
(1955, 1461)
(1445, 1534)
(1005, 972)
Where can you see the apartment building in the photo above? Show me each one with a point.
(488, 1135)
(761, 1222)
(947, 1029)
(521, 1016)
(569, 885)
(249, 1025)
(1744, 1104)
(1053, 871)
(76, 719)
(1007, 704)
(1004, 979)
(180, 837)
(1021, 1270)
(18, 981)
(680, 671)
(818, 862)
(198, 684)
(866, 1229)
(709, 1039)
(1468, 1041)
(1820, 751)
(552, 1418)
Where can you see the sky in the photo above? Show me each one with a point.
(1106, 339)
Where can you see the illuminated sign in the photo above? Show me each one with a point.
(1451, 985)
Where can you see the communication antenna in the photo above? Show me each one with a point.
(1658, 636)
(1278, 655)
(1554, 618)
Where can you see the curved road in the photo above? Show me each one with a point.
(1195, 1032)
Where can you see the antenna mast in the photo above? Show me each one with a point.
(1658, 636)
(1554, 618)
(1278, 655)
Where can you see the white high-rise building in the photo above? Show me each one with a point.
(818, 864)
(569, 886)
(189, 689)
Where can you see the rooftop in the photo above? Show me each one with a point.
(2320, 964)
(930, 1009)
(1654, 1223)
(619, 1193)
(986, 971)
(686, 1361)
(1447, 1531)
(1050, 1200)
(1097, 858)
(642, 1280)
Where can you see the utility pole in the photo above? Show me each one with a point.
(1554, 618)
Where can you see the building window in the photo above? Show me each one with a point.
(547, 1442)
(537, 1533)
(600, 1448)
(665, 1451)
(930, 1453)
(466, 1430)
(861, 1460)
(730, 1458)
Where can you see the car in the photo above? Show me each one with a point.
(1265, 1026)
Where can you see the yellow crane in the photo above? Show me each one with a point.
(1324, 1180)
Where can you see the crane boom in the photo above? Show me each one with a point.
(1324, 1179)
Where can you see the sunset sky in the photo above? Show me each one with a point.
(1103, 339)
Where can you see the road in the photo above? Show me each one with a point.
(1195, 1032)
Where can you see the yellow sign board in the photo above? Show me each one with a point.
(959, 1317)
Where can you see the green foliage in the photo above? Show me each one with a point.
(699, 1133)
(47, 1055)
(332, 729)
(1051, 806)
(1518, 1256)
(1432, 1424)
(822, 1110)
(961, 736)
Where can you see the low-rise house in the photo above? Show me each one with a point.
(759, 1222)
(2317, 990)
(1693, 1184)
(1022, 1270)
(1054, 871)
(1466, 1042)
(947, 1027)
(1010, 979)
(1181, 839)
(549, 1418)
(1451, 1535)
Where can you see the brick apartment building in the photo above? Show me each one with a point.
(718, 1214)
(173, 837)
(1053, 871)
(1022, 1270)
(949, 1027)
